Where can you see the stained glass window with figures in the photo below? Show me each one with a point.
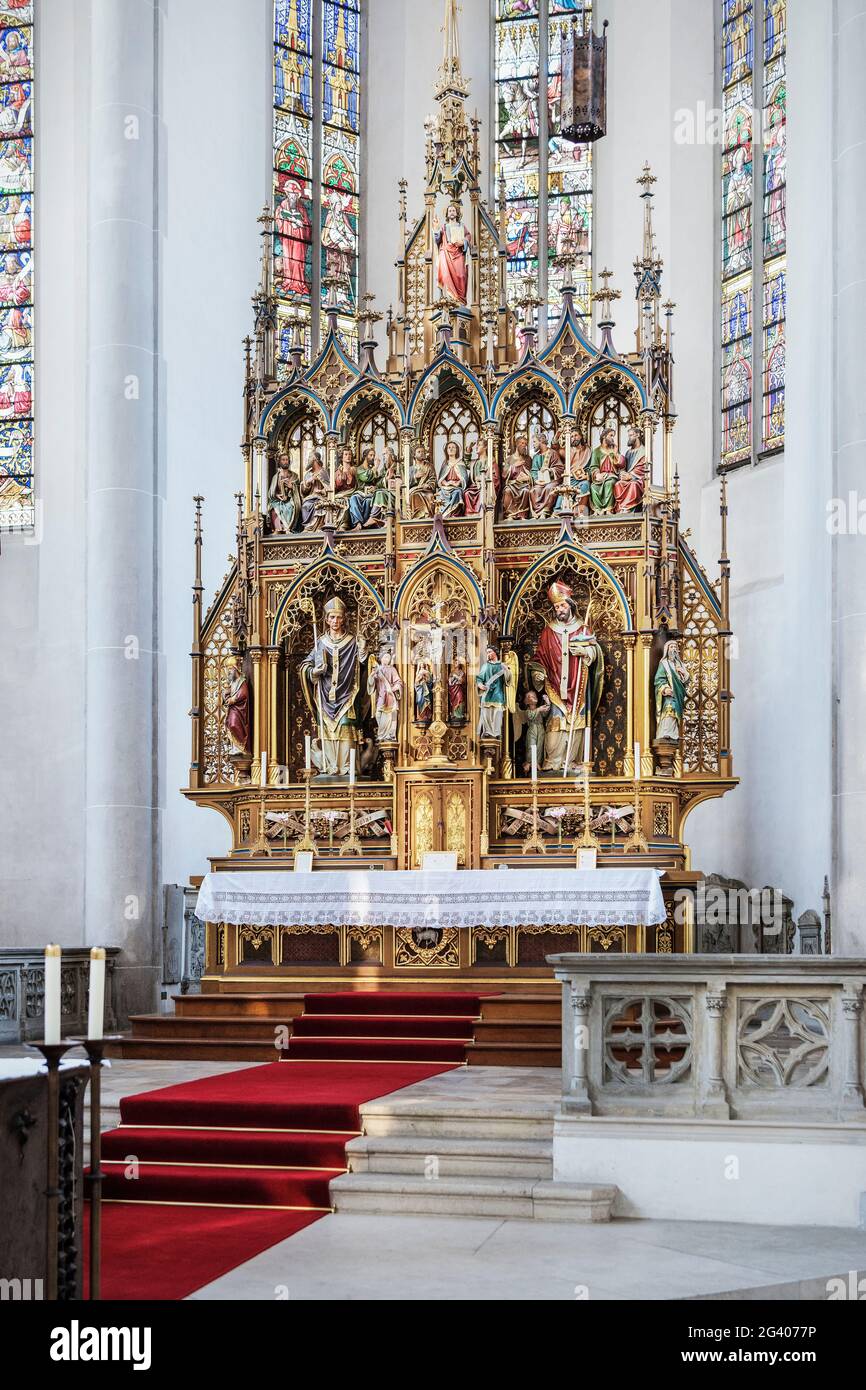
(17, 501)
(531, 156)
(752, 57)
(317, 152)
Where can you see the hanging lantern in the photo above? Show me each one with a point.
(584, 85)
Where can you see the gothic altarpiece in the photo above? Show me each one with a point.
(452, 572)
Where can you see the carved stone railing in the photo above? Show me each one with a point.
(22, 992)
(721, 1037)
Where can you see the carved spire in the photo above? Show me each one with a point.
(451, 79)
(648, 270)
(606, 297)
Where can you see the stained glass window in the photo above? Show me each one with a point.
(317, 135)
(530, 156)
(17, 505)
(753, 229)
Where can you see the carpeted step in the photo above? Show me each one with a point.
(375, 1049)
(229, 1146)
(380, 1026)
(311, 1096)
(396, 1002)
(235, 1187)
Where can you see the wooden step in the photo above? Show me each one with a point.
(529, 1006)
(209, 1026)
(516, 1054)
(192, 1050)
(278, 1006)
(519, 1030)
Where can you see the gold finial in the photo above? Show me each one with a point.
(606, 295)
(646, 181)
(367, 316)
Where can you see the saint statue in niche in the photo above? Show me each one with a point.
(457, 695)
(425, 682)
(453, 241)
(671, 687)
(628, 490)
(492, 680)
(517, 483)
(386, 688)
(422, 484)
(605, 467)
(573, 666)
(237, 706)
(284, 497)
(331, 679)
(314, 491)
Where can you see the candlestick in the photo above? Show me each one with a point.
(52, 1052)
(351, 845)
(96, 994)
(533, 839)
(587, 840)
(51, 1002)
(637, 839)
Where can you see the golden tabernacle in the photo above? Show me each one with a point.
(462, 616)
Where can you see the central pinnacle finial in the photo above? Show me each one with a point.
(451, 79)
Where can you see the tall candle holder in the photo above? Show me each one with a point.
(588, 840)
(351, 845)
(534, 841)
(95, 1049)
(52, 1052)
(637, 839)
(261, 844)
(307, 843)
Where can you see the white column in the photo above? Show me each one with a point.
(124, 495)
(849, 468)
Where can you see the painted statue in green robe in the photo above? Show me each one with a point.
(671, 687)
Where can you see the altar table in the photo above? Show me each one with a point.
(463, 898)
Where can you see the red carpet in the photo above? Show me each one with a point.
(202, 1176)
(384, 1027)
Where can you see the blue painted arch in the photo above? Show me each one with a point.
(447, 358)
(306, 574)
(569, 551)
(438, 557)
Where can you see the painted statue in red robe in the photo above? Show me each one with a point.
(573, 666)
(453, 241)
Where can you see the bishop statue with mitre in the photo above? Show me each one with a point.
(573, 666)
(331, 678)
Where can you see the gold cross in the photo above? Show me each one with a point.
(646, 181)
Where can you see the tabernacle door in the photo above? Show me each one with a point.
(439, 811)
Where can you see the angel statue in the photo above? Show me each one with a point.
(331, 679)
(573, 665)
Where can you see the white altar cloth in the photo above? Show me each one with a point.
(465, 898)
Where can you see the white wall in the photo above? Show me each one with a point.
(42, 615)
(218, 113)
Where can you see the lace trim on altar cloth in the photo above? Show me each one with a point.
(594, 907)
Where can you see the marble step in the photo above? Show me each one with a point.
(517, 1198)
(434, 1120)
(451, 1158)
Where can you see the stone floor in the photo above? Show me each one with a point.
(345, 1257)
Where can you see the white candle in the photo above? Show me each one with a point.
(308, 752)
(637, 760)
(586, 744)
(534, 763)
(264, 769)
(51, 1003)
(96, 993)
(351, 767)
